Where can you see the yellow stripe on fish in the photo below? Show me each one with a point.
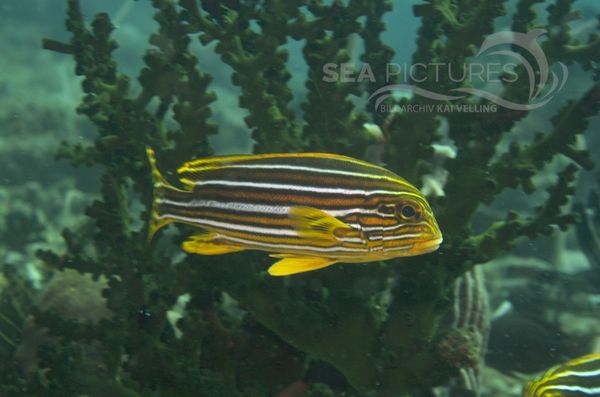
(576, 378)
(311, 210)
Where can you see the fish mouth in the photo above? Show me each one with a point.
(428, 245)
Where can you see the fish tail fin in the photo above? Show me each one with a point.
(161, 189)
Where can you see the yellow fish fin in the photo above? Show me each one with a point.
(291, 264)
(208, 244)
(213, 162)
(312, 223)
(162, 188)
(196, 170)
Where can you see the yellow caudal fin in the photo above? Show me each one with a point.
(208, 244)
(312, 223)
(291, 264)
(161, 190)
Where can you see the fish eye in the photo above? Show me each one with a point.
(409, 211)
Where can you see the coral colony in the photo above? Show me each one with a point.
(388, 329)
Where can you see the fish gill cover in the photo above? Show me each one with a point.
(187, 325)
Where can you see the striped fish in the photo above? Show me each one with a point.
(310, 210)
(576, 378)
(469, 316)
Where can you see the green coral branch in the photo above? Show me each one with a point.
(451, 32)
(330, 324)
(560, 14)
(377, 54)
(473, 20)
(446, 27)
(412, 160)
(502, 234)
(405, 344)
(561, 45)
(524, 18)
(340, 129)
(138, 302)
(259, 65)
(520, 163)
(172, 76)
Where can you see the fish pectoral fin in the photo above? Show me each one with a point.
(291, 264)
(312, 223)
(208, 244)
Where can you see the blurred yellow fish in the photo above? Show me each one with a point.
(576, 378)
(311, 210)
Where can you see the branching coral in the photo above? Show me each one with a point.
(378, 325)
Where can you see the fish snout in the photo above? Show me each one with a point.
(431, 240)
(429, 245)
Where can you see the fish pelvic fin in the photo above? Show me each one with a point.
(294, 264)
(208, 244)
(161, 189)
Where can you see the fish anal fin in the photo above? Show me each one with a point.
(291, 264)
(312, 223)
(208, 244)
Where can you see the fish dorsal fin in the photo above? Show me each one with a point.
(312, 223)
(585, 359)
(292, 264)
(195, 170)
(208, 244)
(221, 161)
